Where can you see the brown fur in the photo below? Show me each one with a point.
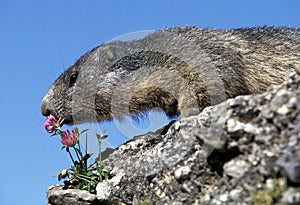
(179, 70)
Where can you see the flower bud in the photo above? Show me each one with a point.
(64, 173)
(68, 139)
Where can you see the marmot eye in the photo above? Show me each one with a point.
(73, 78)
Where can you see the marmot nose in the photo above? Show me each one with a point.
(44, 110)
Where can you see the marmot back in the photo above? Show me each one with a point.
(179, 70)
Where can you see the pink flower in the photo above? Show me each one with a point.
(67, 139)
(51, 124)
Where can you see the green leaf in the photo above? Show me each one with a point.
(89, 173)
(83, 131)
(63, 147)
(87, 156)
(53, 134)
(98, 136)
(59, 177)
(105, 169)
(99, 169)
(104, 137)
(56, 175)
(102, 171)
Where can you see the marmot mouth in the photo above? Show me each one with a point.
(68, 120)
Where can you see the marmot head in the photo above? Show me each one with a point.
(110, 81)
(84, 91)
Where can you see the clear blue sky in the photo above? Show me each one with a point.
(39, 39)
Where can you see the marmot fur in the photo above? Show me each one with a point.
(179, 70)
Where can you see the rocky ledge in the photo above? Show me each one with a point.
(243, 151)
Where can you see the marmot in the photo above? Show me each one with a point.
(180, 70)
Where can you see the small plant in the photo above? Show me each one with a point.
(148, 201)
(269, 196)
(78, 173)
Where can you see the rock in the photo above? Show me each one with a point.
(223, 198)
(57, 196)
(291, 166)
(236, 168)
(224, 155)
(235, 194)
(291, 196)
(103, 190)
(182, 172)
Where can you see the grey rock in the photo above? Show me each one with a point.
(235, 194)
(103, 190)
(236, 168)
(58, 196)
(291, 166)
(221, 156)
(291, 196)
(182, 172)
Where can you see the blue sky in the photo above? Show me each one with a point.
(39, 39)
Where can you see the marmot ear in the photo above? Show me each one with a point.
(107, 55)
(73, 78)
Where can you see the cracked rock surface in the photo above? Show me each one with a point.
(228, 154)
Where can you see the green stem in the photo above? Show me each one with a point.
(78, 157)
(58, 131)
(100, 177)
(71, 156)
(99, 146)
(79, 146)
(85, 178)
(86, 143)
